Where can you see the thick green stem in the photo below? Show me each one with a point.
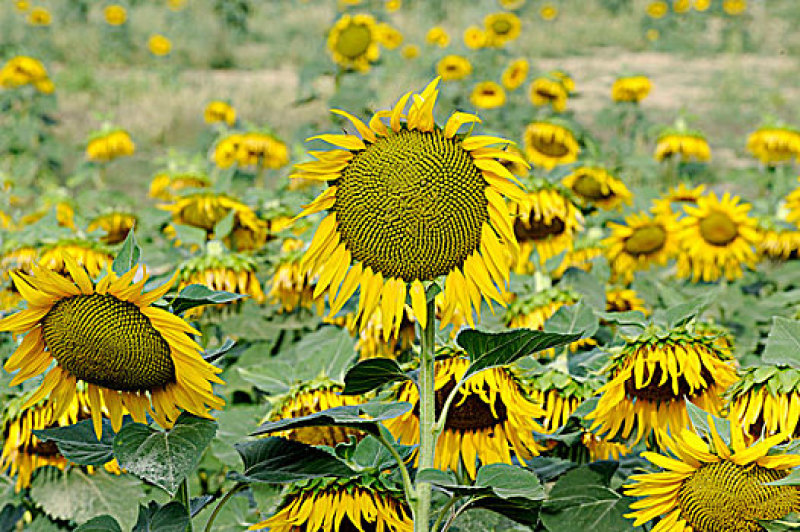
(183, 497)
(427, 418)
(221, 503)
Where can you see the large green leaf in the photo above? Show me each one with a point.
(9, 516)
(172, 517)
(196, 295)
(78, 496)
(128, 255)
(487, 349)
(164, 458)
(78, 443)
(101, 523)
(783, 343)
(363, 417)
(587, 285)
(573, 319)
(370, 374)
(278, 461)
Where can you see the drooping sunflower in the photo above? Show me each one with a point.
(251, 150)
(717, 237)
(643, 241)
(774, 145)
(128, 352)
(116, 225)
(309, 398)
(546, 91)
(515, 74)
(734, 7)
(165, 186)
(779, 243)
(713, 481)
(487, 95)
(453, 67)
(39, 16)
(89, 255)
(19, 258)
(333, 505)
(353, 42)
(766, 400)
(501, 28)
(625, 300)
(631, 89)
(678, 195)
(687, 146)
(437, 35)
(22, 70)
(291, 287)
(489, 419)
(548, 144)
(107, 146)
(231, 272)
(393, 226)
(564, 78)
(545, 221)
(595, 186)
(218, 111)
(548, 12)
(652, 376)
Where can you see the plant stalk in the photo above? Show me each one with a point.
(427, 418)
(184, 498)
(221, 503)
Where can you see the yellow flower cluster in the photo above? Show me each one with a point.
(23, 70)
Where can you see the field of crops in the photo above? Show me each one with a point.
(400, 265)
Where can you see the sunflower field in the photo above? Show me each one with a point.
(399, 265)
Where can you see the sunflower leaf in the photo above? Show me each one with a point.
(224, 226)
(128, 255)
(579, 318)
(278, 460)
(101, 523)
(171, 517)
(78, 443)
(370, 374)
(196, 295)
(164, 458)
(341, 416)
(10, 516)
(487, 349)
(783, 343)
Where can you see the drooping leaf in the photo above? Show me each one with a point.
(783, 343)
(101, 523)
(128, 255)
(172, 517)
(78, 443)
(628, 318)
(369, 453)
(507, 482)
(164, 458)
(278, 461)
(196, 295)
(370, 374)
(363, 417)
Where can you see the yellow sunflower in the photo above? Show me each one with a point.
(39, 16)
(437, 35)
(501, 28)
(681, 6)
(490, 418)
(130, 353)
(734, 7)
(564, 78)
(310, 398)
(22, 70)
(353, 42)
(774, 145)
(335, 505)
(65, 215)
(250, 150)
(91, 256)
(159, 45)
(475, 37)
(219, 111)
(548, 145)
(652, 376)
(631, 89)
(453, 67)
(410, 51)
(792, 204)
(545, 91)
(115, 224)
(230, 272)
(624, 300)
(717, 237)
(545, 221)
(291, 287)
(106, 147)
(680, 194)
(779, 243)
(684, 145)
(657, 9)
(487, 95)
(517, 166)
(115, 15)
(385, 230)
(548, 12)
(640, 243)
(515, 74)
(713, 481)
(766, 400)
(388, 36)
(165, 186)
(595, 186)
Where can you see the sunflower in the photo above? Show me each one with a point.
(489, 419)
(766, 400)
(219, 111)
(165, 186)
(734, 7)
(595, 186)
(517, 166)
(290, 287)
(657, 9)
(19, 258)
(310, 398)
(641, 242)
(65, 215)
(701, 5)
(353, 42)
(453, 67)
(230, 272)
(388, 36)
(389, 218)
(581, 256)
(545, 91)
(514, 75)
(159, 45)
(501, 28)
(680, 194)
(410, 51)
(475, 37)
(333, 505)
(438, 36)
(23, 453)
(793, 206)
(631, 89)
(250, 150)
(713, 481)
(487, 95)
(109, 336)
(717, 238)
(106, 147)
(548, 12)
(651, 377)
(115, 224)
(372, 341)
(687, 146)
(546, 221)
(115, 15)
(564, 78)
(22, 70)
(779, 243)
(39, 16)
(624, 300)
(89, 255)
(774, 145)
(681, 6)
(548, 145)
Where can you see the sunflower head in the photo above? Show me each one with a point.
(353, 42)
(165, 185)
(779, 243)
(515, 74)
(501, 28)
(594, 186)
(641, 242)
(774, 145)
(559, 394)
(547, 91)
(549, 144)
(438, 36)
(766, 400)
(392, 226)
(115, 15)
(624, 300)
(657, 9)
(475, 38)
(116, 225)
(631, 89)
(218, 111)
(217, 270)
(453, 67)
(106, 145)
(159, 45)
(487, 95)
(582, 256)
(290, 287)
(685, 145)
(90, 255)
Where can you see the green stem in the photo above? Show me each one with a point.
(221, 503)
(438, 427)
(183, 497)
(443, 512)
(427, 418)
(408, 487)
